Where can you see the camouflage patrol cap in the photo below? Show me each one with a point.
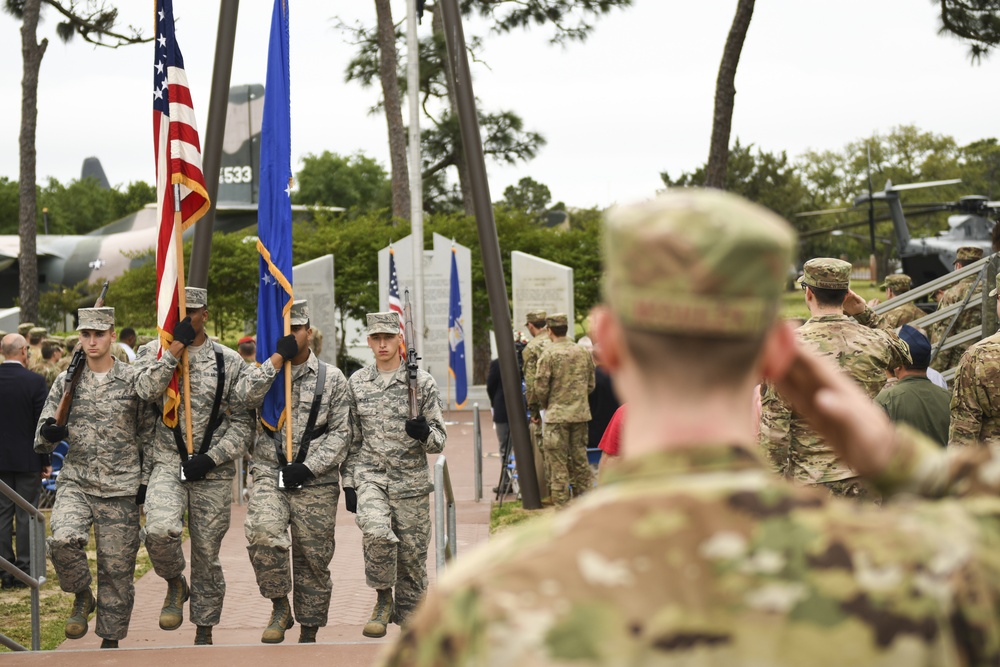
(195, 297)
(383, 323)
(535, 316)
(826, 273)
(24, 327)
(96, 319)
(696, 261)
(71, 342)
(37, 331)
(968, 253)
(557, 320)
(300, 313)
(899, 283)
(996, 289)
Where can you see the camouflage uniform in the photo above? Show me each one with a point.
(698, 555)
(864, 352)
(529, 362)
(97, 487)
(975, 403)
(310, 511)
(389, 470)
(207, 502)
(564, 379)
(970, 317)
(900, 283)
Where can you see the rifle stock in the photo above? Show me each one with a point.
(75, 370)
(411, 356)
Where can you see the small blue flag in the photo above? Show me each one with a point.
(274, 212)
(456, 337)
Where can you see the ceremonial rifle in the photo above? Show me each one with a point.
(75, 370)
(411, 355)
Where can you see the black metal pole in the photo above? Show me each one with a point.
(489, 245)
(215, 131)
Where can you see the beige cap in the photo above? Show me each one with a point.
(535, 316)
(383, 323)
(300, 313)
(557, 320)
(96, 319)
(195, 297)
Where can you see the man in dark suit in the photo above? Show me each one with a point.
(22, 396)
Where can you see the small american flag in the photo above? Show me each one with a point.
(178, 162)
(395, 304)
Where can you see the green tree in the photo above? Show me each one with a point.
(528, 195)
(356, 182)
(977, 23)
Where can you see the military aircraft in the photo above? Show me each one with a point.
(106, 253)
(925, 258)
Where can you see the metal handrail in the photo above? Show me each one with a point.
(445, 522)
(36, 552)
(477, 453)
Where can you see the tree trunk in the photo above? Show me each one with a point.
(725, 93)
(31, 53)
(387, 72)
(463, 170)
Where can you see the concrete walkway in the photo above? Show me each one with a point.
(245, 612)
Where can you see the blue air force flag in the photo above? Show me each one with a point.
(456, 337)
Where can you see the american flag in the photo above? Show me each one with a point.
(178, 163)
(395, 304)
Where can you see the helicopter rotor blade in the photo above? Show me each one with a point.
(917, 186)
(828, 211)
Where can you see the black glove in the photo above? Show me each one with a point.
(196, 467)
(287, 347)
(351, 500)
(140, 496)
(418, 428)
(184, 332)
(295, 474)
(54, 433)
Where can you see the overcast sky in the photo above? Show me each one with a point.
(633, 100)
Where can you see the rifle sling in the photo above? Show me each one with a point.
(311, 431)
(214, 421)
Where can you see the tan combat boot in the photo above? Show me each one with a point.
(203, 635)
(172, 614)
(76, 624)
(307, 634)
(281, 620)
(381, 615)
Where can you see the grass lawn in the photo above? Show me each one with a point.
(512, 513)
(54, 605)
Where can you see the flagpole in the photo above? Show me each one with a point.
(182, 313)
(288, 391)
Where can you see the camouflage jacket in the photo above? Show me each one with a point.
(104, 442)
(48, 370)
(235, 428)
(975, 403)
(702, 557)
(326, 451)
(529, 356)
(901, 315)
(380, 451)
(564, 379)
(971, 317)
(864, 353)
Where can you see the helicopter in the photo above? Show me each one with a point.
(923, 258)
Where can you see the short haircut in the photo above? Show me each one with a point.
(538, 324)
(559, 329)
(829, 297)
(698, 362)
(35, 339)
(127, 332)
(247, 347)
(49, 348)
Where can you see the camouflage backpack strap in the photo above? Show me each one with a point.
(311, 431)
(214, 420)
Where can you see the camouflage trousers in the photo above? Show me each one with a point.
(565, 447)
(116, 531)
(207, 503)
(311, 514)
(853, 488)
(395, 534)
(536, 432)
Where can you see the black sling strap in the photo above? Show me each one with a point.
(311, 432)
(214, 421)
